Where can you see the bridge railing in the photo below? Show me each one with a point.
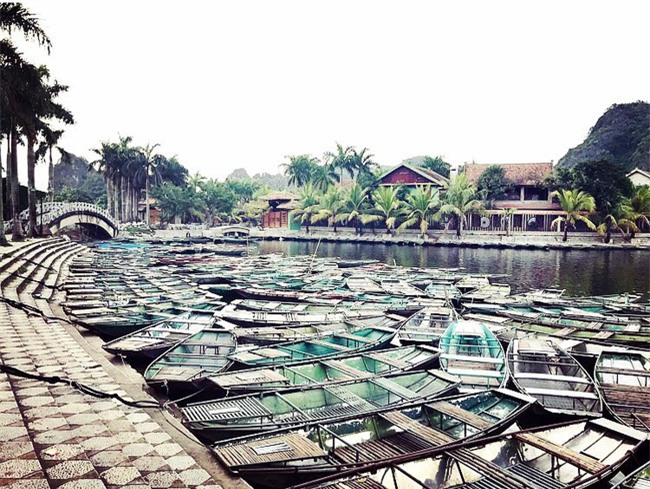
(54, 210)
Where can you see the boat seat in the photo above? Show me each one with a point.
(352, 337)
(332, 346)
(447, 356)
(532, 391)
(551, 377)
(461, 415)
(588, 464)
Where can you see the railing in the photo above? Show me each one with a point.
(53, 210)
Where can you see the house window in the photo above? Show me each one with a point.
(535, 193)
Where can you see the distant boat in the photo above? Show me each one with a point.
(541, 369)
(624, 380)
(427, 325)
(472, 352)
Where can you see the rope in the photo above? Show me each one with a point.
(86, 389)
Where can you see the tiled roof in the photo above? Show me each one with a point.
(519, 173)
(425, 172)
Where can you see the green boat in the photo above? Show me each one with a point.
(472, 352)
(182, 369)
(322, 347)
(340, 369)
(242, 415)
(281, 459)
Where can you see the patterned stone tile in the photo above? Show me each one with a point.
(53, 437)
(150, 464)
(128, 437)
(13, 450)
(157, 438)
(37, 401)
(82, 419)
(83, 484)
(110, 415)
(137, 449)
(162, 479)
(109, 458)
(62, 452)
(70, 469)
(19, 469)
(194, 477)
(30, 484)
(120, 476)
(147, 427)
(180, 462)
(98, 443)
(46, 424)
(168, 449)
(8, 419)
(8, 433)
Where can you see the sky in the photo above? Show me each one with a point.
(225, 85)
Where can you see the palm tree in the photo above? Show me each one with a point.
(363, 162)
(323, 176)
(574, 204)
(420, 205)
(330, 207)
(506, 215)
(307, 205)
(149, 166)
(341, 160)
(636, 211)
(459, 199)
(300, 169)
(609, 223)
(195, 181)
(355, 207)
(387, 208)
(16, 75)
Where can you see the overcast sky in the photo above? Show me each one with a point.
(225, 85)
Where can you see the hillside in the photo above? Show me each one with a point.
(621, 135)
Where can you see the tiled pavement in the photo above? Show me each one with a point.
(52, 436)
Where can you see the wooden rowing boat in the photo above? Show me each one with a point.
(624, 380)
(469, 350)
(242, 415)
(280, 459)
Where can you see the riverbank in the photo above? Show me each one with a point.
(469, 239)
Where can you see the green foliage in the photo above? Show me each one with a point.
(605, 181)
(635, 211)
(387, 208)
(459, 199)
(170, 170)
(492, 183)
(355, 207)
(307, 205)
(621, 135)
(300, 168)
(419, 206)
(330, 207)
(75, 181)
(575, 203)
(437, 164)
(182, 202)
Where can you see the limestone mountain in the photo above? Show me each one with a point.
(621, 135)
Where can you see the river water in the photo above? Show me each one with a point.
(580, 272)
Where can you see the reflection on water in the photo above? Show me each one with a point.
(580, 272)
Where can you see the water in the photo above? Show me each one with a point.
(580, 272)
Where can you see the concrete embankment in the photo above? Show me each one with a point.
(470, 239)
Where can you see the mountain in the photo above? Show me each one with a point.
(621, 135)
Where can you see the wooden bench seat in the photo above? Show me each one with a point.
(461, 414)
(581, 461)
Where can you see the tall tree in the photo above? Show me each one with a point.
(635, 211)
(330, 207)
(16, 77)
(342, 160)
(459, 199)
(300, 169)
(149, 166)
(420, 206)
(493, 183)
(363, 163)
(574, 203)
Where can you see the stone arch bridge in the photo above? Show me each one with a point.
(55, 216)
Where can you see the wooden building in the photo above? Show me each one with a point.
(639, 177)
(533, 207)
(407, 175)
(280, 206)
